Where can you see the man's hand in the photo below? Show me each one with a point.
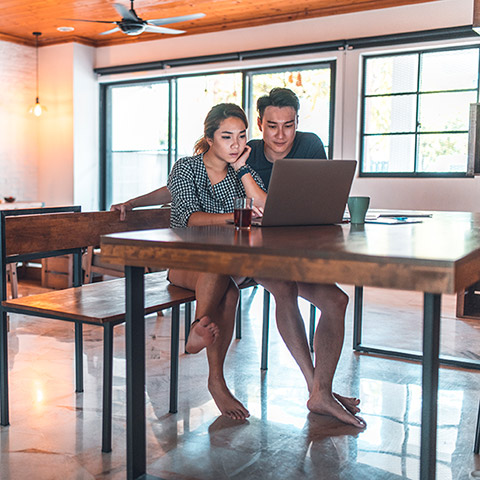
(123, 208)
(257, 212)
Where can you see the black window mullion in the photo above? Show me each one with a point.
(417, 114)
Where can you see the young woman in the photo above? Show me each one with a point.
(203, 188)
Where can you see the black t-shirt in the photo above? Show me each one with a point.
(305, 145)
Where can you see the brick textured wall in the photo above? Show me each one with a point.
(18, 128)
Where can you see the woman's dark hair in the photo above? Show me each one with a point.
(278, 97)
(214, 118)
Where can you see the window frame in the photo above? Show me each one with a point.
(468, 173)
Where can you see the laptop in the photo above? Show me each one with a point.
(307, 192)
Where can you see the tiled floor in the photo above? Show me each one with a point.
(55, 433)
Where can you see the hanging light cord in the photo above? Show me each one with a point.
(37, 34)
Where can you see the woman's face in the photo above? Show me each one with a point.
(229, 140)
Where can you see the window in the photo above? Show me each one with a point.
(313, 86)
(416, 112)
(137, 140)
(148, 125)
(196, 96)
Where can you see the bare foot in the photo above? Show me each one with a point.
(327, 404)
(226, 402)
(203, 332)
(350, 403)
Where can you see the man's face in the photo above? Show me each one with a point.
(278, 127)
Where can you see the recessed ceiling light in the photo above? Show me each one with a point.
(65, 29)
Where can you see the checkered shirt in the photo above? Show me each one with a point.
(192, 191)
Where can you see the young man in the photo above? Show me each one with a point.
(278, 121)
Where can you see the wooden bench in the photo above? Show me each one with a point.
(58, 232)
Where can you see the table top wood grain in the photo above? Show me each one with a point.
(439, 255)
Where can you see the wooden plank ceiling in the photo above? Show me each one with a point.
(19, 18)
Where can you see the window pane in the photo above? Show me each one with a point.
(137, 161)
(136, 173)
(313, 89)
(451, 70)
(196, 96)
(445, 111)
(390, 114)
(395, 74)
(388, 153)
(139, 117)
(443, 152)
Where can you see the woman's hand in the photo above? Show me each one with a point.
(242, 159)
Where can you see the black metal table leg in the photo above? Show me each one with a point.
(431, 342)
(135, 356)
(266, 315)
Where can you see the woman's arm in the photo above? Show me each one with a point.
(202, 218)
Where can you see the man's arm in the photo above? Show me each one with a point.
(157, 197)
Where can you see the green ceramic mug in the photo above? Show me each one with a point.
(358, 206)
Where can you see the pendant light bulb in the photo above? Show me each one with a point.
(38, 108)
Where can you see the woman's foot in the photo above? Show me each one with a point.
(226, 402)
(203, 332)
(327, 404)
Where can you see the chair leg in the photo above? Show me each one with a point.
(476, 448)
(357, 317)
(174, 352)
(78, 357)
(4, 420)
(188, 322)
(238, 318)
(311, 334)
(12, 274)
(107, 388)
(266, 315)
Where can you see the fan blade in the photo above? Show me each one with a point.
(183, 18)
(155, 29)
(116, 29)
(90, 21)
(125, 13)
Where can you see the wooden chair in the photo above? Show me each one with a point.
(67, 232)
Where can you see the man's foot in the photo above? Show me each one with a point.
(327, 404)
(203, 332)
(226, 402)
(350, 403)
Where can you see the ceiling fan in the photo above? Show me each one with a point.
(132, 24)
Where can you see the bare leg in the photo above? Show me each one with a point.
(216, 352)
(209, 291)
(217, 298)
(328, 344)
(290, 324)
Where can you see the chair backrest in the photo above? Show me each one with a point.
(37, 235)
(46, 233)
(29, 212)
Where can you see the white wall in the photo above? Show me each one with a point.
(18, 129)
(85, 129)
(68, 140)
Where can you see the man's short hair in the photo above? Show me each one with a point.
(278, 97)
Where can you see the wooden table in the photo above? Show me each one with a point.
(439, 255)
